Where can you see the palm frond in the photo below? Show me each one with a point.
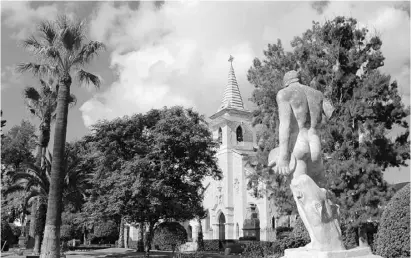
(31, 44)
(32, 94)
(72, 100)
(14, 188)
(71, 34)
(87, 78)
(37, 69)
(88, 52)
(47, 31)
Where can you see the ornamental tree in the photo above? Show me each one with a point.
(151, 167)
(340, 59)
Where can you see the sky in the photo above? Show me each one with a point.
(176, 53)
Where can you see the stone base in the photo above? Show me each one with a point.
(359, 252)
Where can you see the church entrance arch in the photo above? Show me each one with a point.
(221, 227)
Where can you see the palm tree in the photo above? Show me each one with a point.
(35, 182)
(42, 103)
(62, 51)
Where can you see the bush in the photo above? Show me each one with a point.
(393, 237)
(254, 249)
(105, 232)
(169, 235)
(66, 232)
(300, 231)
(282, 232)
(9, 232)
(211, 245)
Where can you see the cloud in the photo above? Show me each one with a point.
(161, 60)
(23, 17)
(177, 55)
(10, 78)
(319, 6)
(404, 6)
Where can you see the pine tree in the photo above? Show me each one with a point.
(341, 60)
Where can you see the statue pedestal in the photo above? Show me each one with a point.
(359, 252)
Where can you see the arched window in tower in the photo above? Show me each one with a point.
(220, 136)
(239, 133)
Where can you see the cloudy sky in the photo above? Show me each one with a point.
(175, 53)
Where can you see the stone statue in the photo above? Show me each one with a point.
(299, 154)
(298, 157)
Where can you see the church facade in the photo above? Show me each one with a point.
(232, 210)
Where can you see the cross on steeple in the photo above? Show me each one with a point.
(231, 59)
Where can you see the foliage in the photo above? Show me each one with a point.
(341, 60)
(66, 232)
(6, 232)
(61, 50)
(257, 249)
(3, 124)
(169, 235)
(393, 238)
(17, 146)
(151, 167)
(211, 245)
(105, 231)
(300, 231)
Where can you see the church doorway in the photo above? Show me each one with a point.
(221, 227)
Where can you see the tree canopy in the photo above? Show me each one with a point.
(340, 59)
(151, 166)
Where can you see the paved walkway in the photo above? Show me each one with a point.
(113, 253)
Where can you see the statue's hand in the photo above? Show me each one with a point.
(282, 167)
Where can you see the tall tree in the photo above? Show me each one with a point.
(62, 51)
(171, 152)
(340, 59)
(42, 103)
(17, 148)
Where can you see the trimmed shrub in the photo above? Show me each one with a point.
(211, 245)
(257, 249)
(169, 235)
(105, 232)
(349, 235)
(393, 237)
(300, 231)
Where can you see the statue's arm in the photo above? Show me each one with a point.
(284, 114)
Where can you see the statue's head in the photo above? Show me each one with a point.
(290, 77)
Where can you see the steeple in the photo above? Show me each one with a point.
(232, 97)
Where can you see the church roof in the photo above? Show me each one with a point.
(232, 96)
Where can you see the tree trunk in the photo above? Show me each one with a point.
(120, 243)
(149, 237)
(362, 236)
(40, 222)
(51, 243)
(200, 240)
(32, 230)
(126, 233)
(140, 241)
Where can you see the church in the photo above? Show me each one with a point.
(232, 210)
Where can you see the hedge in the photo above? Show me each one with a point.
(211, 245)
(393, 237)
(169, 235)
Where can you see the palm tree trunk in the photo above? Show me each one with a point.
(43, 141)
(40, 221)
(120, 243)
(51, 243)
